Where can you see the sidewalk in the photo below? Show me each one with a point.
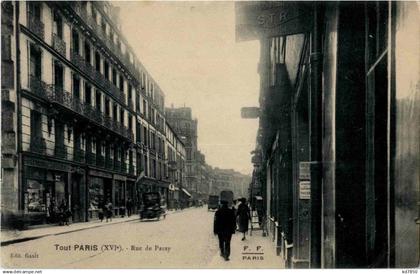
(15, 236)
(255, 252)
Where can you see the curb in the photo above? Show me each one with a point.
(29, 238)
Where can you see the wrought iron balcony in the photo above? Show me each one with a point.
(100, 160)
(131, 169)
(35, 25)
(123, 167)
(59, 45)
(100, 79)
(79, 155)
(117, 165)
(65, 99)
(60, 151)
(38, 145)
(109, 163)
(131, 105)
(38, 87)
(97, 29)
(91, 158)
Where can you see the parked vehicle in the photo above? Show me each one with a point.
(213, 202)
(152, 206)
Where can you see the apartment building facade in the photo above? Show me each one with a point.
(83, 121)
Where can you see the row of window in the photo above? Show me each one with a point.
(97, 60)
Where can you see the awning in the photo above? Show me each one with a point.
(186, 192)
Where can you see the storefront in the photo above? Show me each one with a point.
(99, 191)
(46, 188)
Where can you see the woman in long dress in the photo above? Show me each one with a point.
(243, 214)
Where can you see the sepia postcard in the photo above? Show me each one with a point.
(210, 135)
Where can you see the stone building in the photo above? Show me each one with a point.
(83, 121)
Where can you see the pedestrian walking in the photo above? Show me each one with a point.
(64, 213)
(101, 210)
(109, 209)
(244, 216)
(224, 227)
(129, 206)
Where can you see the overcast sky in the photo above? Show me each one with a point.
(190, 50)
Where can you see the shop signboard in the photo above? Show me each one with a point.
(260, 19)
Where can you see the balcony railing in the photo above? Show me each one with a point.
(131, 169)
(100, 160)
(38, 87)
(105, 84)
(65, 99)
(117, 165)
(91, 158)
(79, 155)
(60, 151)
(36, 26)
(106, 39)
(38, 144)
(109, 164)
(59, 45)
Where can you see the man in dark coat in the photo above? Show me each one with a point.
(224, 227)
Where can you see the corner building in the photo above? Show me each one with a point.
(83, 121)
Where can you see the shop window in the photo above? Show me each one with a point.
(96, 195)
(36, 196)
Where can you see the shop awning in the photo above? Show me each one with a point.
(186, 192)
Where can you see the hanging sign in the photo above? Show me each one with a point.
(259, 19)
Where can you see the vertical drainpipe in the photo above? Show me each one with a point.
(316, 135)
(18, 108)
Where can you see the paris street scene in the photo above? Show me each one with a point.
(210, 135)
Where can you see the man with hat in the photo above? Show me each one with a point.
(224, 227)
